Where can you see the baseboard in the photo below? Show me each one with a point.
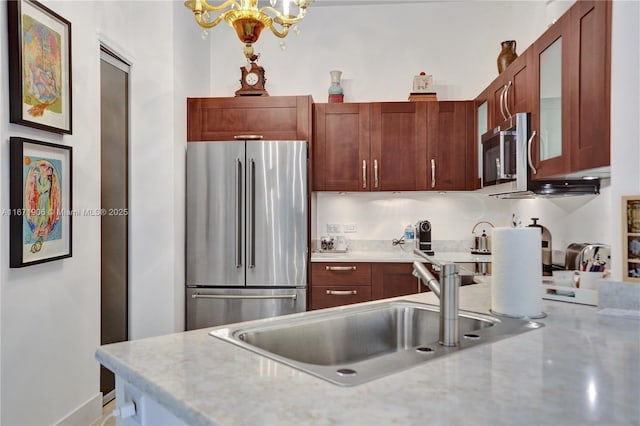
(108, 397)
(85, 414)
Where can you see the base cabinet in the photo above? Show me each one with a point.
(337, 284)
(393, 280)
(340, 283)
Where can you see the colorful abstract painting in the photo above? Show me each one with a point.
(39, 67)
(42, 201)
(42, 67)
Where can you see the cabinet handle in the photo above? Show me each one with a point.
(340, 268)
(376, 181)
(504, 89)
(433, 172)
(506, 99)
(342, 292)
(533, 169)
(498, 174)
(364, 173)
(248, 137)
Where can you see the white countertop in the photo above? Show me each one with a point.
(397, 256)
(581, 368)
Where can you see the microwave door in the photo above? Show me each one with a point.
(491, 162)
(508, 155)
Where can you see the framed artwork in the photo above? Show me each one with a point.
(39, 67)
(40, 202)
(631, 238)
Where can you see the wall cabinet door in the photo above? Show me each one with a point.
(341, 147)
(451, 149)
(518, 85)
(392, 280)
(590, 58)
(509, 93)
(552, 107)
(398, 146)
(272, 117)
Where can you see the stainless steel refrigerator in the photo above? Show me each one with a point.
(247, 230)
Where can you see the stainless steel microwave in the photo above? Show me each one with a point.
(506, 160)
(499, 148)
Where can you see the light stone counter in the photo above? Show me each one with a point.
(397, 256)
(582, 368)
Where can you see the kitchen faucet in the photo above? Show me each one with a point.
(447, 290)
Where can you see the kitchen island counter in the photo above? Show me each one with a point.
(581, 368)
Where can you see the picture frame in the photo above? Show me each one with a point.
(40, 180)
(631, 238)
(39, 67)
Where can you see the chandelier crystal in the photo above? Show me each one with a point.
(248, 19)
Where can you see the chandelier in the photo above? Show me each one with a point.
(248, 19)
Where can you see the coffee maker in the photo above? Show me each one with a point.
(423, 237)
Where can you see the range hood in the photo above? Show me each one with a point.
(547, 188)
(525, 187)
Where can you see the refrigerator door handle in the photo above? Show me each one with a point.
(238, 213)
(252, 214)
(231, 296)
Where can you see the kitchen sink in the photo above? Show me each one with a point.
(358, 343)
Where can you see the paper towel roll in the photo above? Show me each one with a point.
(516, 272)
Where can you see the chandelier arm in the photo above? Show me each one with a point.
(283, 34)
(206, 6)
(210, 24)
(282, 19)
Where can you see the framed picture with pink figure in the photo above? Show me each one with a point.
(40, 202)
(39, 67)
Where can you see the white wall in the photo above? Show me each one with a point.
(625, 110)
(50, 313)
(379, 50)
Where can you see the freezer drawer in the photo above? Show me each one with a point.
(210, 307)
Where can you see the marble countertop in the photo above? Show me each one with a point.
(581, 368)
(397, 256)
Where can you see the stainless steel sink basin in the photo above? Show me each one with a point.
(355, 344)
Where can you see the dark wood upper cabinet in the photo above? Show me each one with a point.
(272, 117)
(451, 150)
(395, 146)
(398, 146)
(341, 147)
(573, 121)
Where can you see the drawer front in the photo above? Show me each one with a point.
(330, 296)
(339, 273)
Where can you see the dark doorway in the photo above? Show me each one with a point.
(114, 166)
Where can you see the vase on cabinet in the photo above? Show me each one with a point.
(507, 55)
(336, 94)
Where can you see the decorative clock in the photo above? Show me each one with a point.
(252, 81)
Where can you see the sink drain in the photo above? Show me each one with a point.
(424, 349)
(346, 372)
(471, 336)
